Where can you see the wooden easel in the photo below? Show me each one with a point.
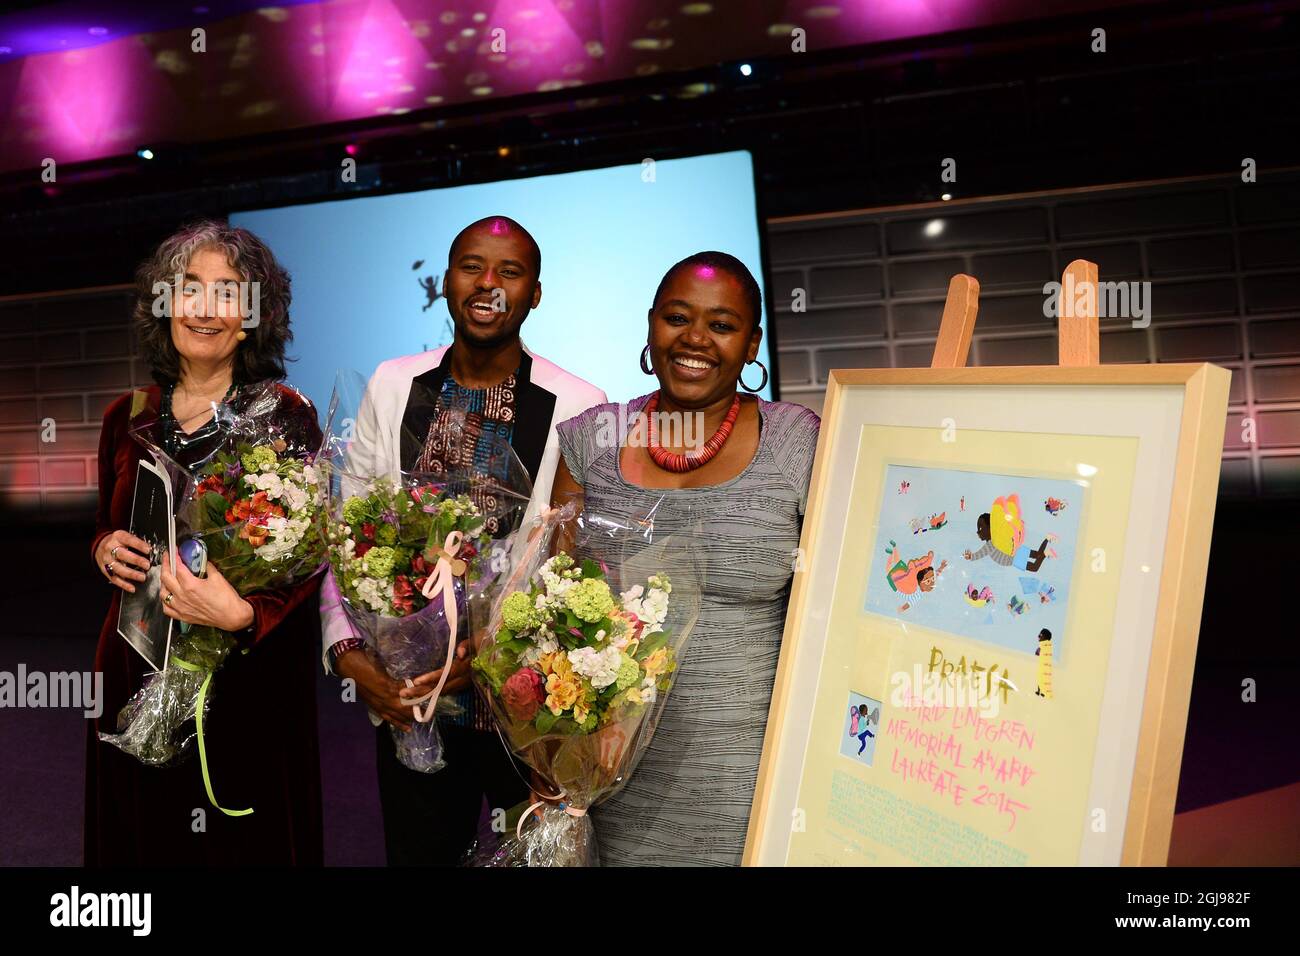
(1078, 339)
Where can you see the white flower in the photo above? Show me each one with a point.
(599, 667)
(371, 592)
(269, 482)
(310, 475)
(651, 609)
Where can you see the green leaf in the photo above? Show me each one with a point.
(545, 720)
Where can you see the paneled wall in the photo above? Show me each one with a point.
(1222, 257)
(63, 359)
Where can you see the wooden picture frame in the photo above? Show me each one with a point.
(1190, 504)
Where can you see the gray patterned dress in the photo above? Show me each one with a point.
(688, 801)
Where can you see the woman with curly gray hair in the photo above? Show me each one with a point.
(212, 317)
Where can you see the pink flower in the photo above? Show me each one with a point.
(634, 623)
(403, 595)
(522, 693)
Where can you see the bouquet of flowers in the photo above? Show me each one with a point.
(413, 553)
(256, 501)
(406, 555)
(577, 665)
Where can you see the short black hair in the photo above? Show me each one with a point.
(920, 575)
(534, 248)
(729, 264)
(1044, 635)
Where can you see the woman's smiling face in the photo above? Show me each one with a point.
(205, 315)
(701, 335)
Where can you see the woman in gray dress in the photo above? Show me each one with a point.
(742, 496)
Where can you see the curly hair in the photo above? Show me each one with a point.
(261, 355)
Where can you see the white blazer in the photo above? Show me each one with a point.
(545, 395)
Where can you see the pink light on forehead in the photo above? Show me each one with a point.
(705, 272)
(500, 227)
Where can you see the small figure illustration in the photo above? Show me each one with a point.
(1046, 592)
(859, 728)
(1054, 506)
(902, 488)
(978, 597)
(962, 505)
(431, 291)
(915, 578)
(933, 523)
(1044, 654)
(1002, 529)
(1017, 606)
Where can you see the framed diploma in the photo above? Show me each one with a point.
(992, 629)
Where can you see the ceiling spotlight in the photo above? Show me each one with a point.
(503, 151)
(934, 228)
(946, 196)
(97, 31)
(746, 69)
(144, 152)
(351, 149)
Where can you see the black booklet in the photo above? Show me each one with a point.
(141, 619)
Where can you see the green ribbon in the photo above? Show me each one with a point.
(203, 753)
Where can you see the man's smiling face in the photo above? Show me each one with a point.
(491, 283)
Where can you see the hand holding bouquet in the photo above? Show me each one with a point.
(256, 502)
(407, 555)
(577, 672)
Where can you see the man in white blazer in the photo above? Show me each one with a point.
(488, 379)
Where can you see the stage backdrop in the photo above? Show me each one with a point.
(361, 266)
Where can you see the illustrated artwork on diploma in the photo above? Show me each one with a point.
(964, 553)
(861, 724)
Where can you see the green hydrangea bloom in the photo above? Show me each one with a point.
(629, 673)
(590, 600)
(386, 534)
(254, 459)
(588, 725)
(378, 562)
(561, 562)
(518, 613)
(661, 582)
(354, 510)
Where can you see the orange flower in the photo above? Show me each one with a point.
(254, 514)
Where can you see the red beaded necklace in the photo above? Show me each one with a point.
(671, 461)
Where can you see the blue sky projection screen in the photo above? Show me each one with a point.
(361, 266)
